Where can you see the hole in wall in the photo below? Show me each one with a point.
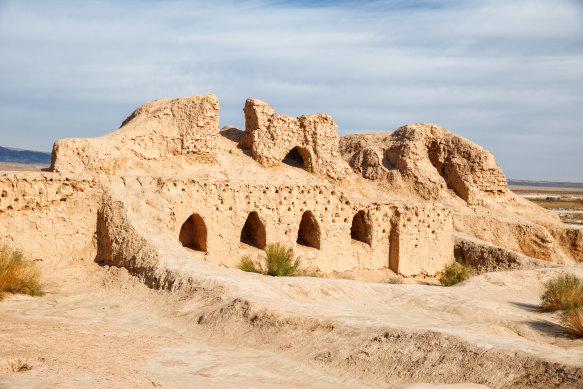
(309, 231)
(294, 158)
(360, 229)
(193, 233)
(253, 232)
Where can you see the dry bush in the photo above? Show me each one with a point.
(279, 262)
(393, 279)
(454, 273)
(247, 264)
(572, 320)
(17, 275)
(563, 292)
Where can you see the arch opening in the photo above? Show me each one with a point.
(360, 229)
(309, 231)
(193, 233)
(253, 232)
(297, 157)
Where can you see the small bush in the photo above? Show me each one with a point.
(248, 265)
(393, 279)
(17, 275)
(563, 292)
(572, 320)
(279, 262)
(454, 273)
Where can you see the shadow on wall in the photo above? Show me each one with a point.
(193, 233)
(298, 157)
(309, 231)
(360, 229)
(253, 232)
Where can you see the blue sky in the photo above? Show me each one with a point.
(507, 75)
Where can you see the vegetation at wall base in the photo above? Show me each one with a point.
(247, 264)
(279, 262)
(562, 292)
(16, 274)
(455, 273)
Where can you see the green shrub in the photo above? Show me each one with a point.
(454, 273)
(563, 292)
(279, 262)
(572, 320)
(248, 265)
(17, 275)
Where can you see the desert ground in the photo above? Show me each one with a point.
(98, 327)
(21, 167)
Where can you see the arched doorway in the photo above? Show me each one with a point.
(309, 231)
(253, 232)
(298, 157)
(360, 229)
(193, 233)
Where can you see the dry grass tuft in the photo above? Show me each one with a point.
(563, 292)
(17, 275)
(279, 262)
(393, 279)
(572, 320)
(455, 273)
(247, 264)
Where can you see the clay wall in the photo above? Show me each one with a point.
(425, 232)
(271, 136)
(158, 136)
(53, 216)
(49, 216)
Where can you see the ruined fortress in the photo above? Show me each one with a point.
(170, 183)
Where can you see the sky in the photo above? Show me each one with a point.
(505, 74)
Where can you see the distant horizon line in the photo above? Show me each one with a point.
(516, 180)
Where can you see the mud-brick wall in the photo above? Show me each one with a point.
(49, 216)
(491, 181)
(270, 136)
(226, 207)
(422, 238)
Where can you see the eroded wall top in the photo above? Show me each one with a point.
(171, 131)
(429, 159)
(271, 136)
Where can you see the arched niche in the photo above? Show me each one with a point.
(193, 233)
(298, 157)
(309, 231)
(253, 232)
(361, 229)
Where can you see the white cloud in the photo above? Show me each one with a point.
(482, 69)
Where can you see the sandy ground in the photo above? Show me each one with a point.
(101, 328)
(98, 327)
(21, 167)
